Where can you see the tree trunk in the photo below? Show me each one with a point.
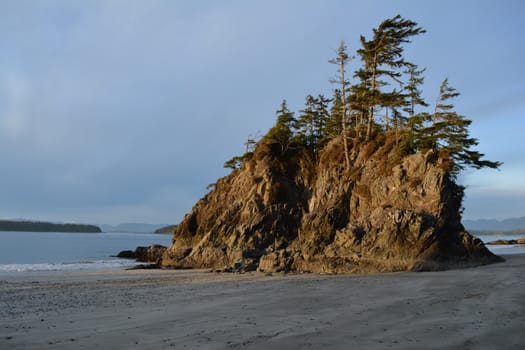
(371, 107)
(344, 115)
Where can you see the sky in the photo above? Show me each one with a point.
(124, 111)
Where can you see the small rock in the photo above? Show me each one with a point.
(127, 254)
(145, 267)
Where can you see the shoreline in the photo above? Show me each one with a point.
(476, 308)
(103, 262)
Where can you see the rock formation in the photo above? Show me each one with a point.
(296, 212)
(151, 254)
(507, 241)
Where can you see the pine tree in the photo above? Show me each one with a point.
(237, 161)
(415, 80)
(306, 124)
(341, 60)
(412, 125)
(285, 118)
(448, 132)
(359, 106)
(322, 123)
(282, 132)
(383, 57)
(333, 124)
(312, 123)
(386, 82)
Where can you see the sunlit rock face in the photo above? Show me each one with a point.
(296, 212)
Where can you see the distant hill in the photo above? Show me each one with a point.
(38, 226)
(495, 225)
(166, 229)
(132, 227)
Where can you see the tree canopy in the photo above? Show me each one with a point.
(383, 99)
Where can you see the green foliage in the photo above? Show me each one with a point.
(285, 118)
(385, 103)
(311, 126)
(281, 133)
(382, 58)
(448, 131)
(333, 123)
(412, 92)
(237, 161)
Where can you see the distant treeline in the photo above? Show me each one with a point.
(519, 231)
(35, 226)
(166, 229)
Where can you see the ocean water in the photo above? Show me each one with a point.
(503, 249)
(33, 252)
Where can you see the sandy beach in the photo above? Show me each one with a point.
(479, 308)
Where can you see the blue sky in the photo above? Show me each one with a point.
(124, 111)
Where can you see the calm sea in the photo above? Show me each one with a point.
(32, 252)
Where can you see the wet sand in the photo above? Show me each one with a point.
(479, 308)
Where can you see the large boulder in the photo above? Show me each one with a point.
(151, 254)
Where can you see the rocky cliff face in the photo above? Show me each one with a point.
(389, 212)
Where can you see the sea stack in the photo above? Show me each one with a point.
(295, 211)
(363, 181)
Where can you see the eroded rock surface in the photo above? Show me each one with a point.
(389, 212)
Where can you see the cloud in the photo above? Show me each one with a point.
(16, 95)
